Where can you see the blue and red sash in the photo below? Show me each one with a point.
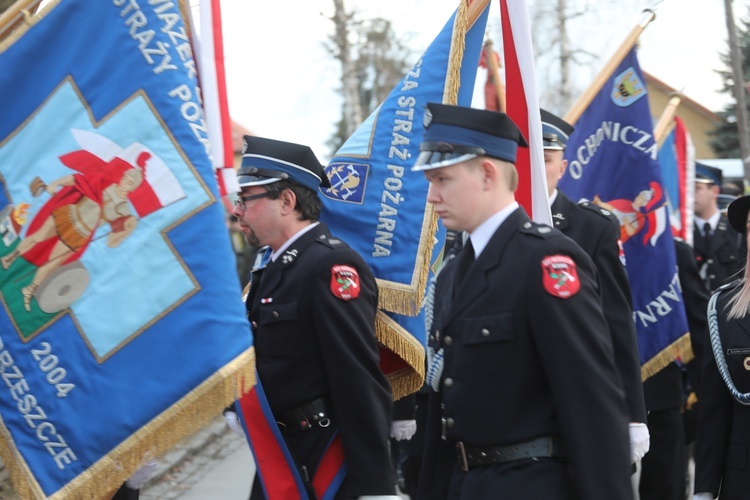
(276, 468)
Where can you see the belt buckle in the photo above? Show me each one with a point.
(462, 461)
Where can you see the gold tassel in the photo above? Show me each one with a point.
(680, 349)
(407, 299)
(182, 419)
(391, 335)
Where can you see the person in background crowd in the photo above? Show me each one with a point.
(597, 232)
(312, 309)
(664, 468)
(718, 250)
(530, 403)
(722, 447)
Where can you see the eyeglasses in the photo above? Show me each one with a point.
(239, 201)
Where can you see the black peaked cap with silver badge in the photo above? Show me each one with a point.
(454, 134)
(267, 160)
(555, 131)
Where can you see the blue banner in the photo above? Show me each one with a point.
(612, 161)
(121, 325)
(376, 203)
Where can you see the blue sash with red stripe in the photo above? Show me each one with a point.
(276, 468)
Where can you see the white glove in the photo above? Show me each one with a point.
(403, 429)
(703, 496)
(139, 478)
(379, 497)
(234, 423)
(640, 441)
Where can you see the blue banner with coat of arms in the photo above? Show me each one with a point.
(612, 161)
(121, 325)
(376, 203)
(379, 206)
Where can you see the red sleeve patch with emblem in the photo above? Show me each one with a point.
(559, 276)
(344, 282)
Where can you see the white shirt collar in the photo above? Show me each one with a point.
(291, 240)
(482, 234)
(553, 197)
(713, 221)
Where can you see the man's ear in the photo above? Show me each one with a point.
(489, 173)
(288, 201)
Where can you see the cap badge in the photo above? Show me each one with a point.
(427, 118)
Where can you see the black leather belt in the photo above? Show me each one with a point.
(306, 415)
(474, 456)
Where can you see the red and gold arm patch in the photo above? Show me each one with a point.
(559, 276)
(344, 282)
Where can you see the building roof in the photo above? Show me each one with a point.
(686, 101)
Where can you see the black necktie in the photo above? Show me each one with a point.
(465, 259)
(707, 233)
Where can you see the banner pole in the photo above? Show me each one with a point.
(15, 15)
(493, 66)
(588, 95)
(666, 120)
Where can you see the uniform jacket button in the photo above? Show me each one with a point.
(275, 314)
(449, 422)
(485, 332)
(255, 324)
(448, 341)
(448, 382)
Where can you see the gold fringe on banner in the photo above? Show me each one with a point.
(403, 298)
(182, 419)
(680, 349)
(407, 299)
(392, 336)
(458, 45)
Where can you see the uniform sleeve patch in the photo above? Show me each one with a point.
(559, 276)
(344, 282)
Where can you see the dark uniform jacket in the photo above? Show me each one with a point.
(597, 232)
(522, 363)
(309, 344)
(719, 260)
(722, 450)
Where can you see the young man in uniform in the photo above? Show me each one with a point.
(597, 231)
(719, 252)
(312, 309)
(531, 405)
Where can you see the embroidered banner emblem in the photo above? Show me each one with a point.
(344, 282)
(348, 181)
(560, 276)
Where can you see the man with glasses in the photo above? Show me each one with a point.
(312, 310)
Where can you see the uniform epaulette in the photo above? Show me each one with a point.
(596, 209)
(727, 286)
(330, 242)
(540, 230)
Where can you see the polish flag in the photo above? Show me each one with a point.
(210, 60)
(523, 108)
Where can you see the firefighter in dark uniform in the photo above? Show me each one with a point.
(722, 448)
(718, 249)
(530, 403)
(312, 309)
(597, 231)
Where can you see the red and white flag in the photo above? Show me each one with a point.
(209, 55)
(523, 108)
